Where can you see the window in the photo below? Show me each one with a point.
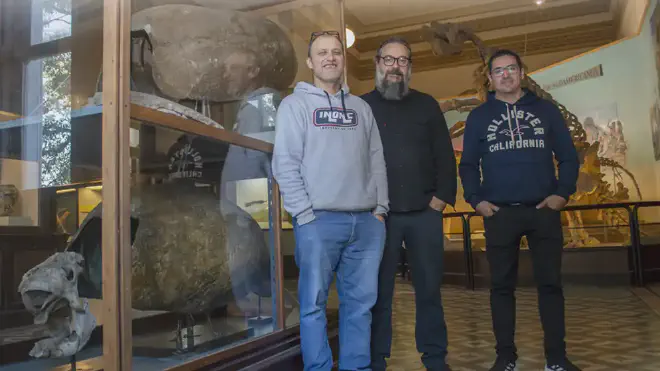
(51, 20)
(48, 96)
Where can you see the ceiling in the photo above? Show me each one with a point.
(380, 13)
(216, 4)
(521, 25)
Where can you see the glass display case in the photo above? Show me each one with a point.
(51, 53)
(141, 227)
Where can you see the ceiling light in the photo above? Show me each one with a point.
(350, 37)
(540, 2)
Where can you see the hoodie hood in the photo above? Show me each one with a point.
(307, 88)
(527, 98)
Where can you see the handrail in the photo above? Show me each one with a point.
(612, 205)
(636, 232)
(632, 207)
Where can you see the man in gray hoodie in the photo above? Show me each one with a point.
(328, 160)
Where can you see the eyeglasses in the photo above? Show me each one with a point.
(316, 34)
(389, 60)
(513, 68)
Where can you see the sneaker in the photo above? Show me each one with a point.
(564, 365)
(502, 364)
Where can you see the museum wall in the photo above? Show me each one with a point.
(616, 106)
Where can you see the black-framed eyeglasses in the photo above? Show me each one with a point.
(389, 60)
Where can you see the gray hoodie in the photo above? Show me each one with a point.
(328, 154)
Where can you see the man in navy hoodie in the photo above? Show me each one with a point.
(513, 137)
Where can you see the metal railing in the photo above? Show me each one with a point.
(635, 246)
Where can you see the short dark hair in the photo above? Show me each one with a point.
(394, 40)
(501, 53)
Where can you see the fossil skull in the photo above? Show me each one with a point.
(50, 292)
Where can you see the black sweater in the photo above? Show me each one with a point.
(418, 150)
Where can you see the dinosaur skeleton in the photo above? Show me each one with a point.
(447, 39)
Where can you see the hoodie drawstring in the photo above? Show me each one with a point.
(508, 118)
(343, 104)
(515, 116)
(329, 101)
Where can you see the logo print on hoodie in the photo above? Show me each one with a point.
(335, 118)
(512, 131)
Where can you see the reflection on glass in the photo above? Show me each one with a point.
(201, 207)
(49, 95)
(50, 178)
(202, 276)
(298, 23)
(51, 20)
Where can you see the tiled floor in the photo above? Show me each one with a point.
(607, 329)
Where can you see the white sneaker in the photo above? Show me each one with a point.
(504, 365)
(564, 366)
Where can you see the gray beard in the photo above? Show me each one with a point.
(391, 90)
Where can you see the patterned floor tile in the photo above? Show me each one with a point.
(607, 329)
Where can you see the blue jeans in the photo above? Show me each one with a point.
(350, 244)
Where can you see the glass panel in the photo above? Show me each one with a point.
(48, 94)
(608, 227)
(649, 241)
(201, 207)
(50, 180)
(51, 20)
(202, 278)
(454, 256)
(298, 23)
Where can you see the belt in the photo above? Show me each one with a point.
(517, 204)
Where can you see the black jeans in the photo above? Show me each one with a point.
(422, 233)
(544, 234)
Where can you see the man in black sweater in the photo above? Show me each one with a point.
(421, 173)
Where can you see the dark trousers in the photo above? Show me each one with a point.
(544, 235)
(422, 233)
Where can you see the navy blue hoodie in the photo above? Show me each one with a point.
(514, 145)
